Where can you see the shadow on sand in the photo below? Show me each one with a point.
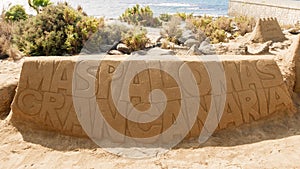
(275, 127)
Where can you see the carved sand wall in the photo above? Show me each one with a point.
(293, 56)
(255, 90)
(287, 11)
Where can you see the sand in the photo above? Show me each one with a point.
(272, 143)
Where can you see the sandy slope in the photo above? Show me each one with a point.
(274, 143)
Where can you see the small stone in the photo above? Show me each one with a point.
(123, 48)
(194, 51)
(206, 48)
(190, 42)
(115, 52)
(187, 34)
(204, 43)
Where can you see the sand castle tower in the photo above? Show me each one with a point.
(267, 29)
(293, 55)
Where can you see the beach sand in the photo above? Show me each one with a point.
(272, 143)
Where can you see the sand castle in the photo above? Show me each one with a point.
(267, 29)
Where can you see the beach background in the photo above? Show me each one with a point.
(114, 8)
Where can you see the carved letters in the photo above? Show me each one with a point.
(255, 89)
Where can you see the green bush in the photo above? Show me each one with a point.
(140, 16)
(183, 15)
(165, 17)
(16, 13)
(136, 39)
(58, 30)
(218, 35)
(217, 28)
(195, 23)
(38, 4)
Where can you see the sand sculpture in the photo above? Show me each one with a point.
(294, 56)
(255, 89)
(267, 29)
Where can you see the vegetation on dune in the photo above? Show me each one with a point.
(140, 16)
(220, 29)
(171, 30)
(143, 16)
(7, 48)
(38, 5)
(184, 16)
(245, 24)
(165, 17)
(58, 30)
(135, 39)
(61, 30)
(217, 29)
(104, 39)
(15, 13)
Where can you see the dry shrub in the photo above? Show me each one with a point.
(201, 22)
(165, 17)
(245, 24)
(217, 28)
(140, 16)
(171, 30)
(183, 15)
(5, 37)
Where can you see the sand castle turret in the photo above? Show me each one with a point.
(267, 29)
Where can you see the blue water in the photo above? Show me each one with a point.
(114, 8)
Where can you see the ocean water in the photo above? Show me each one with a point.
(114, 8)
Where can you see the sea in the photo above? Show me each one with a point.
(114, 8)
